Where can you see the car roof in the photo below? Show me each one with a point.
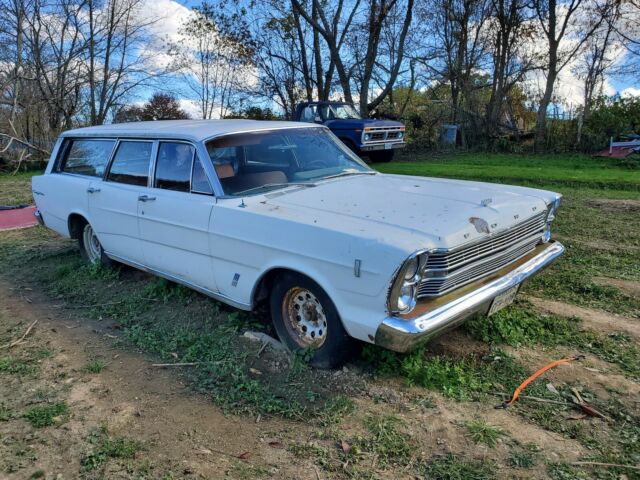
(194, 130)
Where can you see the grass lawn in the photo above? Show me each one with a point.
(16, 189)
(575, 170)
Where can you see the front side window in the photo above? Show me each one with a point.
(342, 111)
(309, 113)
(254, 162)
(86, 157)
(173, 167)
(131, 163)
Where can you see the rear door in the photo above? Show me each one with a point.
(175, 216)
(64, 189)
(113, 202)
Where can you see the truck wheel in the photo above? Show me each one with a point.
(384, 156)
(91, 250)
(306, 319)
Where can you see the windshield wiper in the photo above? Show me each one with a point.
(275, 185)
(344, 174)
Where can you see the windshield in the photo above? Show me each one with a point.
(255, 162)
(342, 111)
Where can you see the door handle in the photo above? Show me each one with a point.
(146, 198)
(93, 190)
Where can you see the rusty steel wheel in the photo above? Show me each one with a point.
(304, 317)
(307, 320)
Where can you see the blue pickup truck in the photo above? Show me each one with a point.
(377, 139)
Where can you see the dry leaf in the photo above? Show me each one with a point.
(276, 444)
(244, 456)
(255, 371)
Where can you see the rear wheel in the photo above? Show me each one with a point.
(90, 247)
(306, 319)
(382, 156)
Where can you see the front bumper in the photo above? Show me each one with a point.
(433, 317)
(381, 146)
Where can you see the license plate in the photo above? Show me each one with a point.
(503, 300)
(388, 146)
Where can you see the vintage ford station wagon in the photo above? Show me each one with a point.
(284, 213)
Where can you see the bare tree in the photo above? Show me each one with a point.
(365, 29)
(56, 47)
(559, 20)
(117, 56)
(509, 32)
(214, 57)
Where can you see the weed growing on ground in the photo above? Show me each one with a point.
(480, 431)
(522, 459)
(95, 366)
(455, 467)
(106, 447)
(384, 440)
(15, 366)
(5, 413)
(45, 415)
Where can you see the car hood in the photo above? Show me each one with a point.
(360, 123)
(417, 212)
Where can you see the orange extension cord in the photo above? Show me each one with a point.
(522, 386)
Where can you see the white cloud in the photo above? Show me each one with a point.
(191, 107)
(630, 92)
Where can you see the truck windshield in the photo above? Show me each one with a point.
(255, 162)
(342, 111)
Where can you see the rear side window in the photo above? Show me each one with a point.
(131, 163)
(173, 167)
(87, 157)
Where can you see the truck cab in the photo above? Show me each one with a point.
(377, 139)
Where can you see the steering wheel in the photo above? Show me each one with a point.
(317, 164)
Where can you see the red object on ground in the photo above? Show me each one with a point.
(617, 152)
(17, 218)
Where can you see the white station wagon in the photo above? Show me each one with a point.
(280, 212)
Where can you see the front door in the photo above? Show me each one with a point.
(113, 202)
(175, 215)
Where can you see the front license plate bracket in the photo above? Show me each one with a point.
(503, 300)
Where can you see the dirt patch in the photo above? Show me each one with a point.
(629, 287)
(615, 206)
(593, 319)
(181, 432)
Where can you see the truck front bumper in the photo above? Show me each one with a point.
(382, 146)
(435, 316)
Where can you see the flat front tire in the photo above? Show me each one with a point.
(305, 318)
(91, 249)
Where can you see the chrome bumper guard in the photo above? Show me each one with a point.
(403, 334)
(38, 216)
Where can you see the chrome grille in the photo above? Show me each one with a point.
(455, 268)
(379, 134)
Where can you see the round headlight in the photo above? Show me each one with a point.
(411, 268)
(400, 135)
(367, 136)
(406, 299)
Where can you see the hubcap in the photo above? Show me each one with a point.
(304, 317)
(91, 244)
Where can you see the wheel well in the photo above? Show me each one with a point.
(76, 222)
(265, 284)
